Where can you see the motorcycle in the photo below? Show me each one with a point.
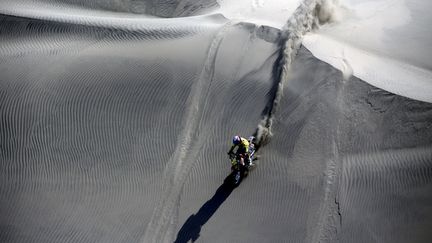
(240, 170)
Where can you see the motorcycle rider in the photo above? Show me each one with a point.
(242, 152)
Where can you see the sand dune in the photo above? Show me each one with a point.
(115, 128)
(155, 8)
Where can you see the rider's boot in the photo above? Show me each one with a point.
(249, 163)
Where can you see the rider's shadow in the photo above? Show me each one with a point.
(192, 227)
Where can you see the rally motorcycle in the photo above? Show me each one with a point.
(238, 169)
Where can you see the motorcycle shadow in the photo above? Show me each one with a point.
(191, 229)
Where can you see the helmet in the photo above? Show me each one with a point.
(236, 140)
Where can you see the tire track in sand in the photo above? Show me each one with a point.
(311, 14)
(163, 221)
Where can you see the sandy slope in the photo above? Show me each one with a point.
(155, 8)
(90, 118)
(94, 118)
(348, 162)
(115, 129)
